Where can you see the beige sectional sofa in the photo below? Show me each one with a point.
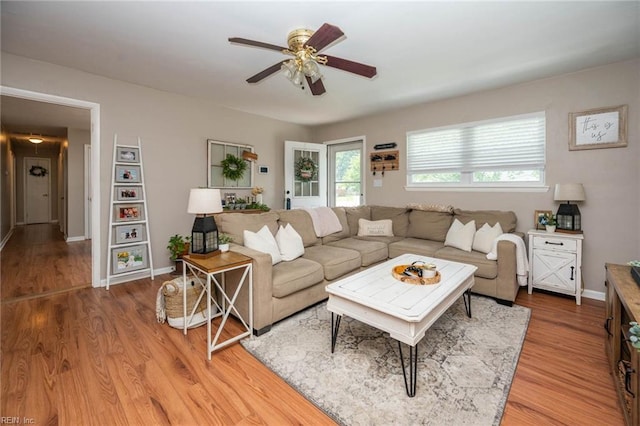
(287, 287)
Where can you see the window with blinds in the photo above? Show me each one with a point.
(508, 151)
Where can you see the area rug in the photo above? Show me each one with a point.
(465, 366)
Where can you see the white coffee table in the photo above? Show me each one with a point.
(405, 311)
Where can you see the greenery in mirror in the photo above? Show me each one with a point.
(634, 335)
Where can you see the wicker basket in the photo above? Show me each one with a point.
(173, 297)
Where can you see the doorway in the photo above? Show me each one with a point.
(94, 110)
(345, 172)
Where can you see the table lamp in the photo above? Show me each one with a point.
(204, 202)
(568, 216)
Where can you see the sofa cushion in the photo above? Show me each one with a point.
(264, 242)
(354, 214)
(370, 251)
(486, 268)
(375, 228)
(429, 225)
(507, 219)
(234, 224)
(398, 215)
(485, 236)
(301, 222)
(290, 277)
(342, 217)
(289, 243)
(461, 236)
(416, 246)
(335, 261)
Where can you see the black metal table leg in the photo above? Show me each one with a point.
(410, 385)
(467, 302)
(334, 330)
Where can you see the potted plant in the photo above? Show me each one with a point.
(550, 222)
(223, 242)
(178, 246)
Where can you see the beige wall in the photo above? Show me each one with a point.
(611, 178)
(174, 130)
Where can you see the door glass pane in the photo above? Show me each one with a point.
(303, 188)
(348, 174)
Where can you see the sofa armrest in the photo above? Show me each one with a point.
(262, 287)
(507, 281)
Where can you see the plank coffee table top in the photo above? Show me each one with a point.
(406, 311)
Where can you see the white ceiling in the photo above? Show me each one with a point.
(423, 50)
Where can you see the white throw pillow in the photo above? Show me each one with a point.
(461, 236)
(376, 228)
(264, 242)
(289, 242)
(485, 236)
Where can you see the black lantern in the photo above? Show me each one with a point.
(568, 216)
(204, 234)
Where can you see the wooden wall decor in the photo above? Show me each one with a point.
(384, 161)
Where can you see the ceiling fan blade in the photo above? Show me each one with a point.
(265, 73)
(256, 44)
(317, 88)
(325, 35)
(350, 66)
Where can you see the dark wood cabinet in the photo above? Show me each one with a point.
(622, 307)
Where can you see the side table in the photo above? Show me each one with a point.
(556, 262)
(209, 267)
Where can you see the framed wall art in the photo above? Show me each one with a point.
(127, 155)
(128, 193)
(539, 218)
(129, 233)
(129, 174)
(128, 212)
(127, 259)
(598, 128)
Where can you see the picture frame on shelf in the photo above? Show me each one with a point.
(128, 212)
(598, 128)
(128, 193)
(127, 155)
(538, 217)
(129, 233)
(128, 259)
(128, 174)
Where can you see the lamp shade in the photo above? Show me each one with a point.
(204, 201)
(569, 192)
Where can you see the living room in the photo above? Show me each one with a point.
(174, 129)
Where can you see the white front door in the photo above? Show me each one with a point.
(305, 174)
(37, 190)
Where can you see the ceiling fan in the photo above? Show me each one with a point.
(304, 46)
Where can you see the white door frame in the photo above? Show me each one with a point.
(96, 258)
(25, 188)
(363, 197)
(87, 191)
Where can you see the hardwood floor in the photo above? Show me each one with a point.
(37, 261)
(91, 356)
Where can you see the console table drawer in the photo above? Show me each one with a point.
(555, 243)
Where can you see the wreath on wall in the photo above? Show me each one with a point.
(233, 167)
(306, 169)
(38, 171)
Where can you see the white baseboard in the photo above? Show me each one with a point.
(591, 294)
(19, 223)
(133, 277)
(74, 239)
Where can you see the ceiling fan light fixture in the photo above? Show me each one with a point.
(311, 70)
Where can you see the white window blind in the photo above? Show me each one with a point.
(511, 143)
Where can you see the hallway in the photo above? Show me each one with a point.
(36, 261)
